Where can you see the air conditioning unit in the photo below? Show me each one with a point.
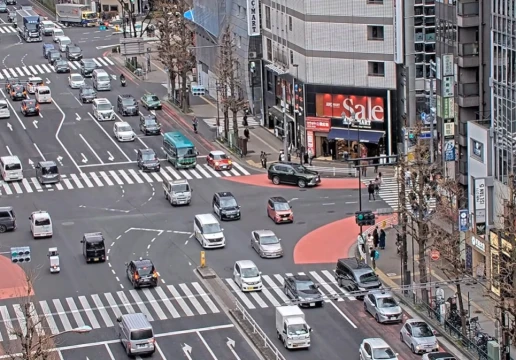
(252, 55)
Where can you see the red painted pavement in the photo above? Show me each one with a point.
(329, 242)
(13, 281)
(326, 184)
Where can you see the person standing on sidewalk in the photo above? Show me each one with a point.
(244, 120)
(382, 239)
(363, 168)
(361, 242)
(310, 157)
(375, 237)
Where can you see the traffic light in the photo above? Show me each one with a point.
(412, 138)
(20, 254)
(365, 218)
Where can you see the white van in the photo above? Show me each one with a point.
(247, 276)
(57, 33)
(41, 224)
(5, 113)
(11, 168)
(101, 80)
(47, 27)
(208, 232)
(43, 94)
(63, 42)
(33, 84)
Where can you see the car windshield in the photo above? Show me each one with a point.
(10, 167)
(421, 330)
(87, 90)
(43, 91)
(387, 303)
(228, 202)
(48, 25)
(128, 101)
(180, 188)
(148, 156)
(95, 245)
(42, 222)
(31, 27)
(144, 334)
(299, 168)
(77, 78)
(30, 104)
(250, 272)
(89, 65)
(55, 54)
(145, 270)
(211, 228)
(49, 170)
(383, 353)
(64, 41)
(62, 63)
(367, 278)
(103, 78)
(74, 50)
(297, 329)
(18, 88)
(124, 128)
(220, 157)
(305, 285)
(186, 152)
(104, 107)
(269, 239)
(150, 122)
(281, 206)
(152, 98)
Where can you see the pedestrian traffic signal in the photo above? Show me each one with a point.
(365, 218)
(20, 254)
(198, 90)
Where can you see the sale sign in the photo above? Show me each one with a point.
(365, 108)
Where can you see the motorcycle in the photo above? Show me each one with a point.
(123, 82)
(53, 256)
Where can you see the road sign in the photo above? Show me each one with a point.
(423, 116)
(435, 255)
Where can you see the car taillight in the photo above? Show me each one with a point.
(136, 276)
(230, 162)
(155, 275)
(216, 163)
(37, 106)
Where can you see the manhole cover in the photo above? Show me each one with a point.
(391, 274)
(330, 211)
(301, 222)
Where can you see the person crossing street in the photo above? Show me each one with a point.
(195, 123)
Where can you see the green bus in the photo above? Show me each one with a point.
(180, 150)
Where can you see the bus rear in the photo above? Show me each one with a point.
(179, 150)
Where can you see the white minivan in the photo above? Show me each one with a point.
(208, 232)
(11, 168)
(57, 33)
(63, 42)
(43, 94)
(5, 113)
(41, 224)
(247, 276)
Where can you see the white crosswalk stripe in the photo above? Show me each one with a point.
(40, 69)
(251, 122)
(6, 28)
(88, 180)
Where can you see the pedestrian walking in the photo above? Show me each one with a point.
(376, 161)
(246, 133)
(408, 177)
(244, 121)
(383, 235)
(364, 167)
(376, 237)
(377, 184)
(263, 159)
(374, 255)
(310, 157)
(361, 242)
(195, 123)
(370, 190)
(369, 241)
(380, 176)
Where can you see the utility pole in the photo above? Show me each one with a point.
(285, 125)
(432, 77)
(403, 219)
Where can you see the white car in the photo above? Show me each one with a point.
(376, 349)
(40, 224)
(56, 34)
(123, 131)
(4, 110)
(418, 335)
(103, 110)
(75, 81)
(63, 42)
(247, 276)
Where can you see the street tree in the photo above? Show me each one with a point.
(229, 76)
(129, 18)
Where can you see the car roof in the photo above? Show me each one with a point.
(143, 262)
(77, 74)
(47, 163)
(377, 343)
(24, 101)
(147, 151)
(381, 294)
(126, 96)
(94, 236)
(225, 194)
(265, 233)
(179, 182)
(41, 214)
(299, 277)
(246, 264)
(440, 356)
(416, 320)
(207, 218)
(278, 199)
(217, 152)
(122, 123)
(10, 159)
(102, 101)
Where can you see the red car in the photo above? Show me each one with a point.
(279, 210)
(219, 160)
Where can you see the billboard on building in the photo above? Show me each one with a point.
(366, 109)
(398, 31)
(253, 17)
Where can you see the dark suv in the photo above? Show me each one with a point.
(73, 52)
(142, 273)
(356, 276)
(87, 67)
(127, 105)
(147, 160)
(225, 206)
(87, 94)
(292, 173)
(149, 125)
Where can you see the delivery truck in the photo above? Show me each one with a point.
(28, 23)
(291, 327)
(76, 15)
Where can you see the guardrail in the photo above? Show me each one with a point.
(258, 331)
(335, 170)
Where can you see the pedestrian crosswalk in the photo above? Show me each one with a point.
(9, 28)
(41, 69)
(54, 316)
(212, 122)
(273, 295)
(390, 193)
(118, 177)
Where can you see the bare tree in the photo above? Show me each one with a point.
(129, 8)
(230, 81)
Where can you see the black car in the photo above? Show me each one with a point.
(87, 94)
(225, 206)
(149, 125)
(47, 48)
(127, 105)
(87, 67)
(29, 107)
(142, 273)
(147, 160)
(53, 55)
(356, 276)
(18, 92)
(73, 52)
(61, 66)
(11, 82)
(302, 290)
(292, 173)
(10, 2)
(439, 356)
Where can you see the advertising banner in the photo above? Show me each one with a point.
(253, 17)
(463, 220)
(365, 109)
(449, 150)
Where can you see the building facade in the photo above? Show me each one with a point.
(331, 67)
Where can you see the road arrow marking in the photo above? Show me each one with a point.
(31, 163)
(78, 118)
(48, 82)
(105, 209)
(60, 160)
(84, 159)
(35, 122)
(231, 345)
(114, 77)
(10, 126)
(111, 157)
(187, 349)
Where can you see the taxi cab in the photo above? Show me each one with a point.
(29, 107)
(219, 160)
(18, 92)
(10, 82)
(33, 84)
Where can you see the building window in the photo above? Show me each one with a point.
(477, 150)
(291, 57)
(375, 32)
(290, 23)
(270, 85)
(376, 68)
(267, 17)
(375, 2)
(269, 49)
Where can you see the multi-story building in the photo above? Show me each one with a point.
(335, 64)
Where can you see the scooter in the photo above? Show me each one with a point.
(123, 82)
(53, 256)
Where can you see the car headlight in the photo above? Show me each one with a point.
(361, 288)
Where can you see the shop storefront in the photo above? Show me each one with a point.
(501, 251)
(317, 130)
(476, 258)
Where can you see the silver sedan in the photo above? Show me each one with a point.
(266, 244)
(75, 81)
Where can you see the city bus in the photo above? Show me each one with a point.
(180, 151)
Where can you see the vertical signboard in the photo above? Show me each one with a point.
(480, 205)
(447, 65)
(463, 220)
(253, 17)
(398, 31)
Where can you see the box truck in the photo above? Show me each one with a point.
(291, 327)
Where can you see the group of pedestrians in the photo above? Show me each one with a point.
(373, 243)
(373, 188)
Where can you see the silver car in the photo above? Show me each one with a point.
(376, 349)
(382, 305)
(266, 244)
(418, 335)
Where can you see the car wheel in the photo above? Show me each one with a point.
(412, 348)
(401, 337)
(365, 307)
(339, 282)
(377, 318)
(276, 180)
(301, 183)
(3, 228)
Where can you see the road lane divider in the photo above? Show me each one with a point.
(91, 149)
(110, 138)
(59, 140)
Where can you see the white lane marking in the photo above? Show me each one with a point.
(20, 71)
(239, 293)
(206, 298)
(180, 300)
(215, 173)
(234, 172)
(33, 70)
(26, 185)
(164, 174)
(59, 186)
(113, 305)
(102, 310)
(203, 172)
(6, 318)
(323, 283)
(87, 180)
(48, 316)
(192, 299)
(7, 189)
(241, 169)
(115, 176)
(36, 184)
(154, 304)
(6, 73)
(195, 174)
(17, 187)
(125, 302)
(75, 312)
(102, 62)
(146, 177)
(226, 173)
(39, 69)
(62, 315)
(331, 278)
(166, 301)
(96, 179)
(47, 69)
(109, 61)
(106, 178)
(185, 174)
(173, 172)
(77, 181)
(135, 176)
(276, 289)
(141, 305)
(97, 62)
(13, 72)
(89, 313)
(126, 177)
(21, 318)
(156, 177)
(68, 184)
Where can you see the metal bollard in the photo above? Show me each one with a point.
(203, 259)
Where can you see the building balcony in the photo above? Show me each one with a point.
(468, 95)
(280, 57)
(468, 14)
(468, 55)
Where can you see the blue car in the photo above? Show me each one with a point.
(47, 48)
